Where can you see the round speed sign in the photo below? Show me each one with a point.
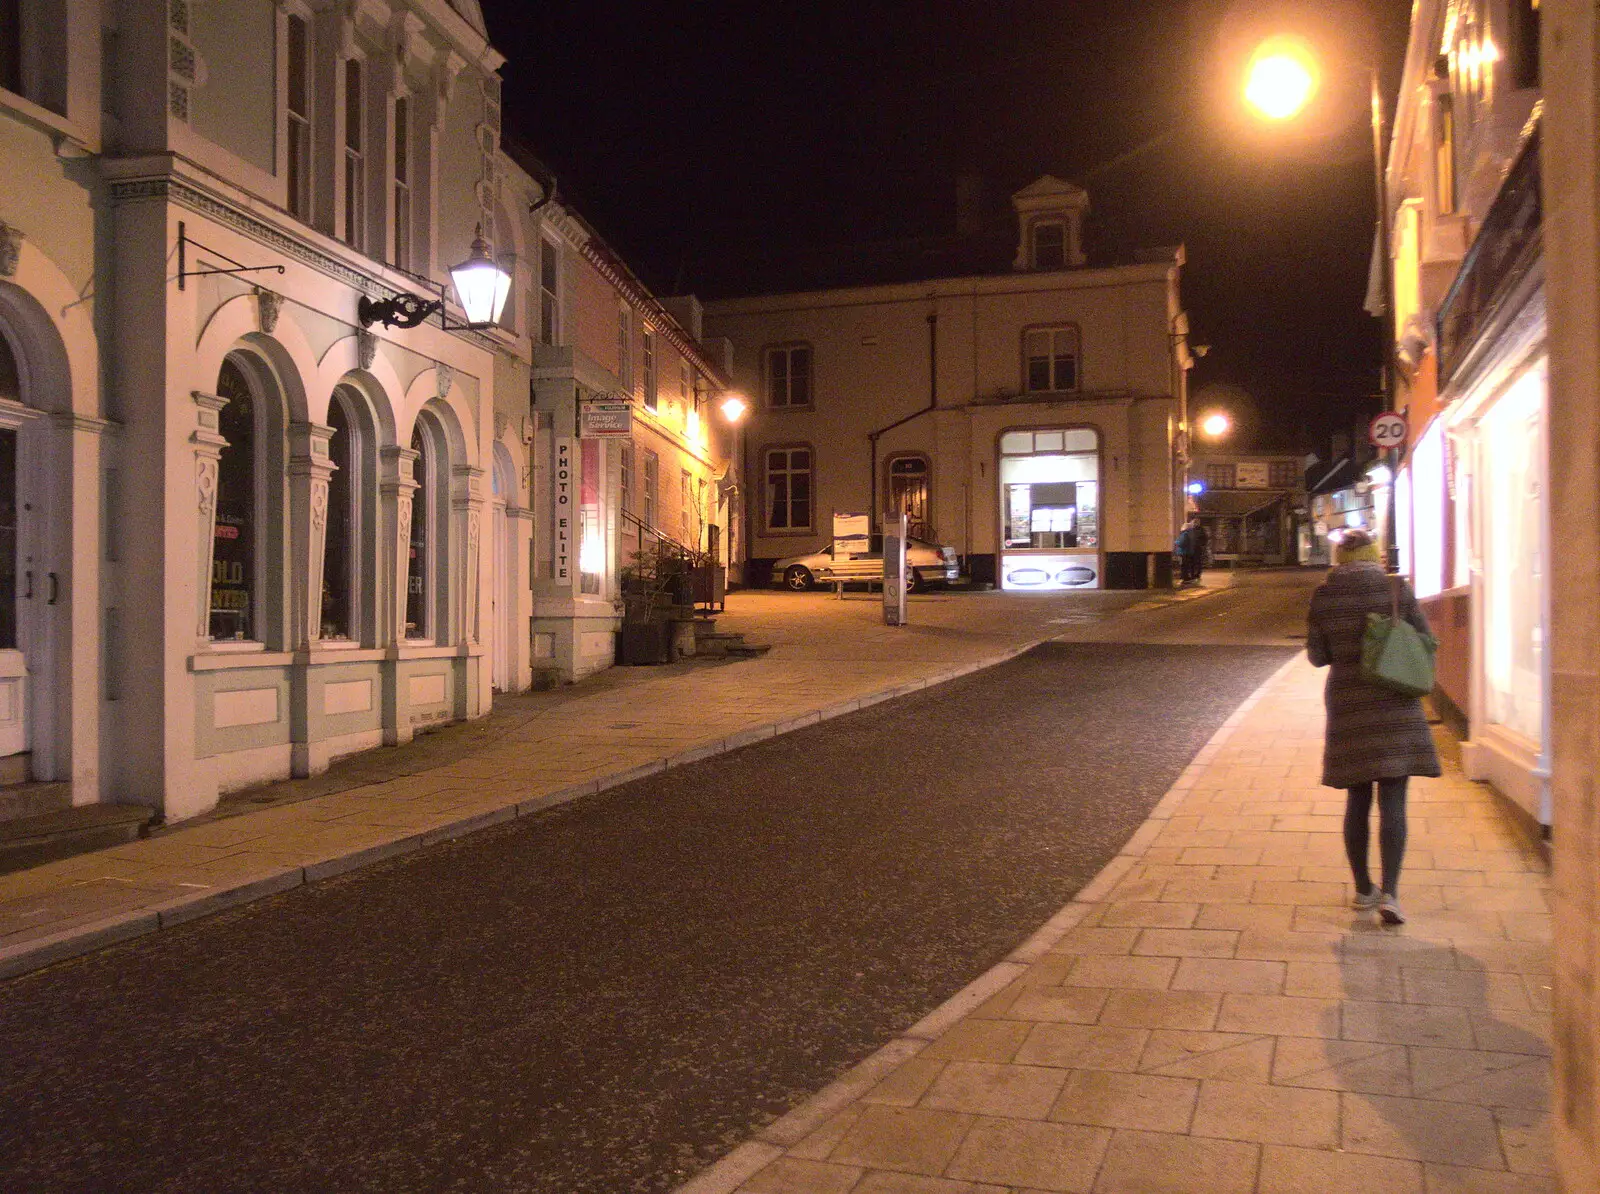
(1388, 430)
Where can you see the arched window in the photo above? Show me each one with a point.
(235, 571)
(420, 571)
(338, 570)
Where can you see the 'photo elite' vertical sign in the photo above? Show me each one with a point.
(561, 542)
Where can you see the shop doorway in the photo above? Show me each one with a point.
(909, 492)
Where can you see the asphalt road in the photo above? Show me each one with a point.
(610, 996)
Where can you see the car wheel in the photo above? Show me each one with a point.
(914, 583)
(798, 578)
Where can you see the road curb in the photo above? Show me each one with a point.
(40, 952)
(769, 1143)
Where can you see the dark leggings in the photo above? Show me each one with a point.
(1391, 831)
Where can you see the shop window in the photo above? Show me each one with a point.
(1050, 483)
(402, 183)
(1428, 512)
(647, 360)
(591, 538)
(1512, 514)
(1050, 245)
(338, 559)
(1221, 476)
(788, 489)
(419, 569)
(549, 271)
(1050, 359)
(788, 376)
(909, 493)
(354, 158)
(1282, 474)
(235, 559)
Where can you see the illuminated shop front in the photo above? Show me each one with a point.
(1050, 509)
(1495, 374)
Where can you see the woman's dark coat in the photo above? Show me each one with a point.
(1373, 733)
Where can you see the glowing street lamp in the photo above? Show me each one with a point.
(1282, 78)
(481, 287)
(734, 408)
(1215, 425)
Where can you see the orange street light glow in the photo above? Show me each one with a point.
(1281, 79)
(733, 408)
(1215, 425)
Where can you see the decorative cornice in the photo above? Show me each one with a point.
(614, 272)
(72, 421)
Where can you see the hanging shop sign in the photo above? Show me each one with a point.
(1387, 431)
(605, 420)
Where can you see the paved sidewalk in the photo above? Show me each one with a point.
(1209, 1017)
(829, 657)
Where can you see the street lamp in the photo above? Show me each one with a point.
(734, 408)
(1281, 80)
(481, 288)
(1215, 425)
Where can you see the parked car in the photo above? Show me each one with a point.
(926, 564)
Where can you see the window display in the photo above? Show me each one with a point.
(233, 560)
(1049, 488)
(1513, 557)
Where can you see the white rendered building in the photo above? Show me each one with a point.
(248, 530)
(1031, 416)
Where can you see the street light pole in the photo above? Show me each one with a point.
(1386, 315)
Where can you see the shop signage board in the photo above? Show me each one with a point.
(1250, 474)
(1387, 431)
(605, 420)
(852, 535)
(894, 569)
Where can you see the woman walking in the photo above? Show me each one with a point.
(1376, 737)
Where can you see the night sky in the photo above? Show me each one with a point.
(716, 144)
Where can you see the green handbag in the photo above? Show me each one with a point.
(1395, 654)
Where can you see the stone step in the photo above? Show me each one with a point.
(32, 799)
(30, 841)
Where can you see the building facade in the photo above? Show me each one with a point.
(1473, 522)
(249, 526)
(583, 503)
(1252, 505)
(1032, 418)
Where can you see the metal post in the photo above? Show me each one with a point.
(1386, 266)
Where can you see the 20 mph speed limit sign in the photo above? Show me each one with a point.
(1388, 430)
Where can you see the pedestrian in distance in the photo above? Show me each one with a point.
(1191, 549)
(1376, 737)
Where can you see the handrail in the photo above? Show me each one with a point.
(692, 554)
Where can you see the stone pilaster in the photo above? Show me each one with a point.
(466, 522)
(208, 444)
(397, 487)
(309, 470)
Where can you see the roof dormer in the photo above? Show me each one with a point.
(1050, 224)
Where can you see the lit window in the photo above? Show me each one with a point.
(789, 489)
(338, 555)
(1050, 359)
(788, 376)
